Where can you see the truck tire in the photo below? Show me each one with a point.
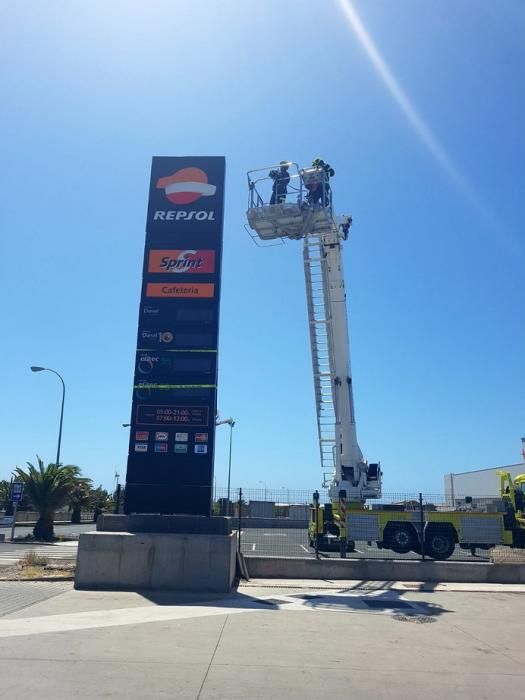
(350, 546)
(400, 538)
(440, 543)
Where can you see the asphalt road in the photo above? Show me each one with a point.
(294, 543)
(60, 530)
(270, 542)
(11, 553)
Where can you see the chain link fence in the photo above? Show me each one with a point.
(281, 523)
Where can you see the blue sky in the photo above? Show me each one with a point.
(90, 91)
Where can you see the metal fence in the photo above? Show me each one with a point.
(274, 522)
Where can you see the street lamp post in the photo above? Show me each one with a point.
(14, 506)
(231, 423)
(265, 489)
(46, 369)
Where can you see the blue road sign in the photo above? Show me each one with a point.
(17, 491)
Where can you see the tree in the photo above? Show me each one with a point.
(4, 493)
(100, 498)
(49, 488)
(100, 501)
(80, 498)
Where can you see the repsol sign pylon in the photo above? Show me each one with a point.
(171, 446)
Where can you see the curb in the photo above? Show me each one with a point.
(39, 579)
(39, 543)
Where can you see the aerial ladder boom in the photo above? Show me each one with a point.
(345, 470)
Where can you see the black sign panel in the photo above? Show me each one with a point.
(161, 366)
(170, 460)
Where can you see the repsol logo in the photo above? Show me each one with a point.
(181, 215)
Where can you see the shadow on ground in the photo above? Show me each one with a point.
(377, 599)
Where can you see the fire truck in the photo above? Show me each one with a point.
(301, 209)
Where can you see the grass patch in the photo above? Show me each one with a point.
(31, 572)
(31, 558)
(22, 571)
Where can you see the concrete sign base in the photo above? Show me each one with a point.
(156, 561)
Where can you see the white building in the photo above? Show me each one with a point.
(478, 483)
(261, 509)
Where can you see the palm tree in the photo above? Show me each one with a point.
(48, 488)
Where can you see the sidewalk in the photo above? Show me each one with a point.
(268, 639)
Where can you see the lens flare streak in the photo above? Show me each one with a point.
(414, 117)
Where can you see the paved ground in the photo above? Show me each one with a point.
(15, 595)
(10, 553)
(269, 640)
(294, 543)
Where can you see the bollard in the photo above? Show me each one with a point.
(316, 521)
(240, 519)
(421, 527)
(342, 524)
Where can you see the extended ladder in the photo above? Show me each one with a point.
(321, 340)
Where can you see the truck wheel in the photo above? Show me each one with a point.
(350, 546)
(439, 543)
(400, 538)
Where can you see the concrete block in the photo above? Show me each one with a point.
(171, 561)
(171, 573)
(384, 570)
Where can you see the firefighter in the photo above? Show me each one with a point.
(319, 192)
(280, 178)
